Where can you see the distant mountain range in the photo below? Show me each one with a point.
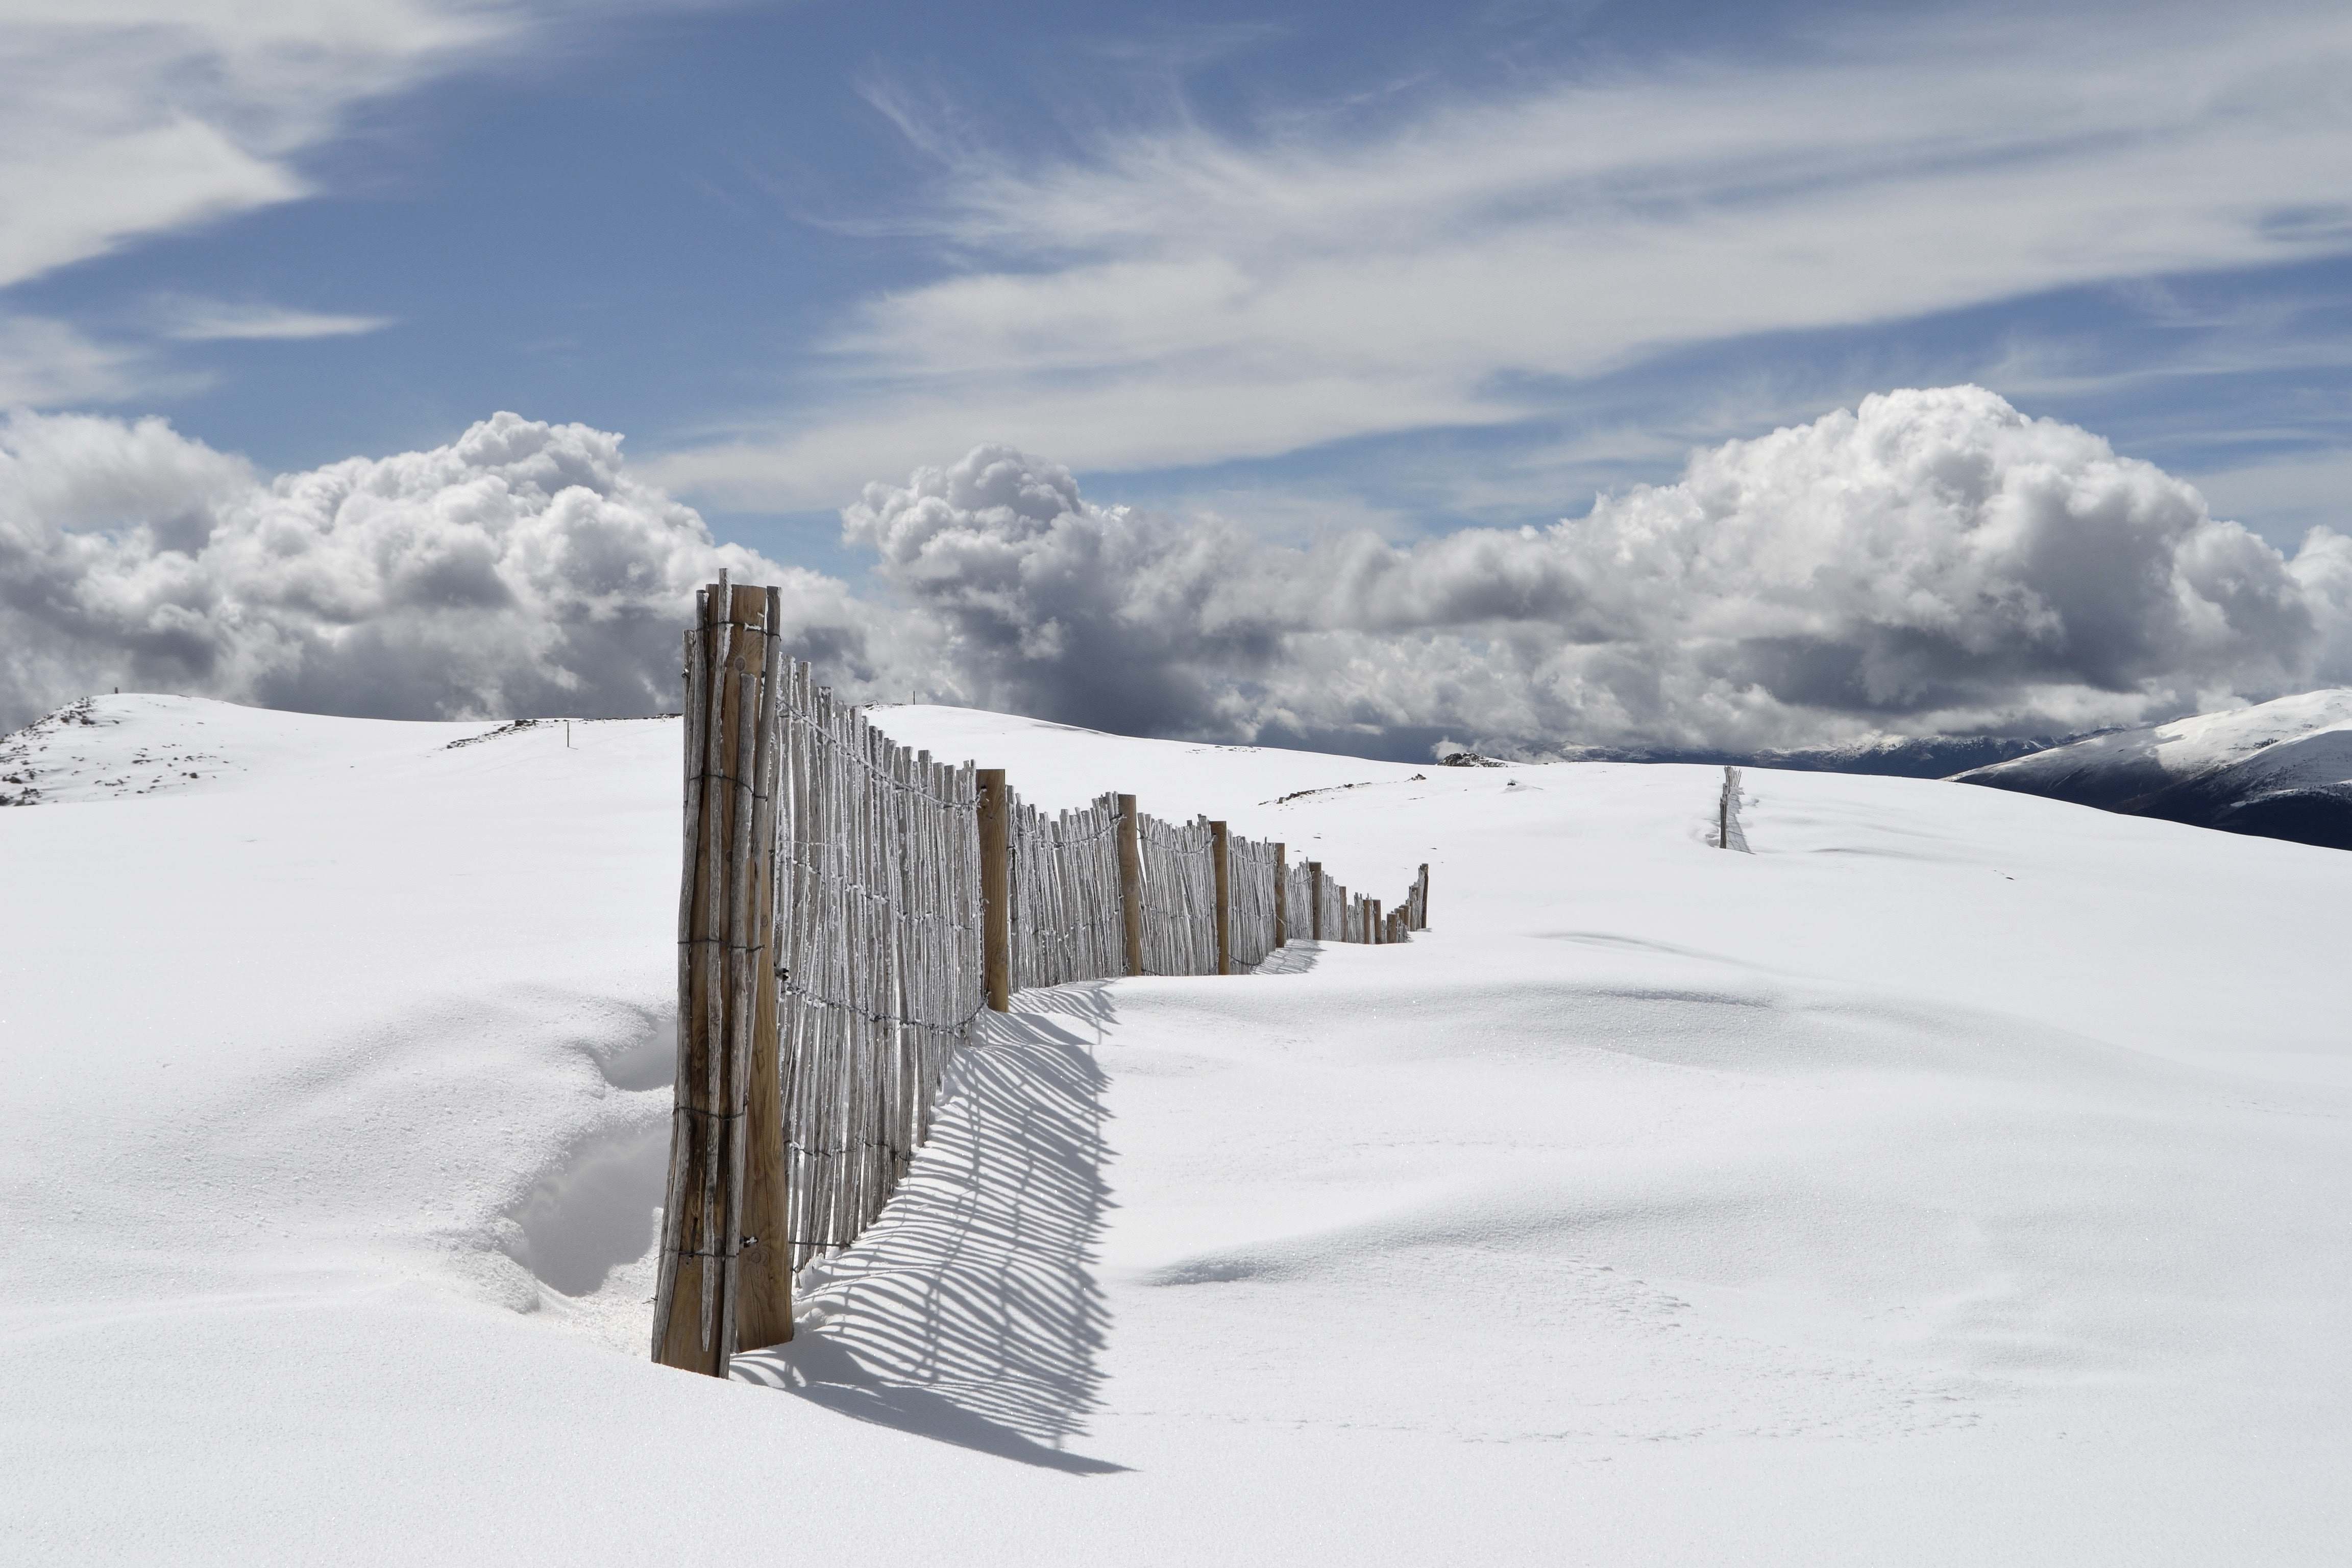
(1930, 757)
(2278, 770)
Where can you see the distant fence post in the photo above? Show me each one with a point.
(1220, 855)
(1281, 895)
(1421, 899)
(995, 890)
(1131, 881)
(1372, 930)
(1315, 901)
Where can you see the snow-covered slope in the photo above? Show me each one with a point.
(2280, 769)
(1958, 1178)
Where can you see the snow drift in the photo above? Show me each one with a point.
(1955, 1177)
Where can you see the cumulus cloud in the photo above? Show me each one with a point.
(518, 569)
(1928, 563)
(1931, 562)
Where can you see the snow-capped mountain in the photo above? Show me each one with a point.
(1892, 756)
(2279, 769)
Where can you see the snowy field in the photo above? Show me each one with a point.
(1960, 1178)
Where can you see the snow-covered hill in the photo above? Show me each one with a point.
(1958, 1178)
(1909, 757)
(2280, 769)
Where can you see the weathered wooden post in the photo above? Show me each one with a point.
(726, 1015)
(1220, 850)
(1421, 899)
(1281, 895)
(763, 1281)
(1131, 881)
(995, 890)
(1372, 931)
(1315, 901)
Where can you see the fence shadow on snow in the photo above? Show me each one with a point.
(972, 1315)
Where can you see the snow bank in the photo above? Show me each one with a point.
(1956, 1178)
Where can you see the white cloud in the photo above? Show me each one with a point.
(519, 570)
(1930, 561)
(2292, 492)
(120, 119)
(1181, 294)
(44, 361)
(217, 321)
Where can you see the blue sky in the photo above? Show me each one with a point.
(1213, 371)
(1306, 268)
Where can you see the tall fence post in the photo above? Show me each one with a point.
(1315, 901)
(1421, 899)
(995, 890)
(1372, 931)
(763, 1279)
(1131, 881)
(1220, 855)
(1281, 895)
(725, 924)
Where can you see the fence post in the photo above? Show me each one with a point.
(1221, 851)
(1421, 899)
(1372, 931)
(723, 938)
(995, 890)
(1131, 881)
(1281, 895)
(1315, 901)
(763, 1281)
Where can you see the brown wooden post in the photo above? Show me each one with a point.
(1421, 901)
(763, 1279)
(1372, 931)
(723, 931)
(1131, 881)
(995, 890)
(1281, 895)
(1220, 849)
(1315, 901)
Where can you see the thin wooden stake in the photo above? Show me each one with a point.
(1220, 849)
(763, 1281)
(1281, 895)
(1130, 882)
(995, 890)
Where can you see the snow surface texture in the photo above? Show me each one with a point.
(2280, 769)
(1957, 1178)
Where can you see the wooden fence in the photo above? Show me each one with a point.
(849, 909)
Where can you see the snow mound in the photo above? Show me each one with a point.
(125, 745)
(1956, 1170)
